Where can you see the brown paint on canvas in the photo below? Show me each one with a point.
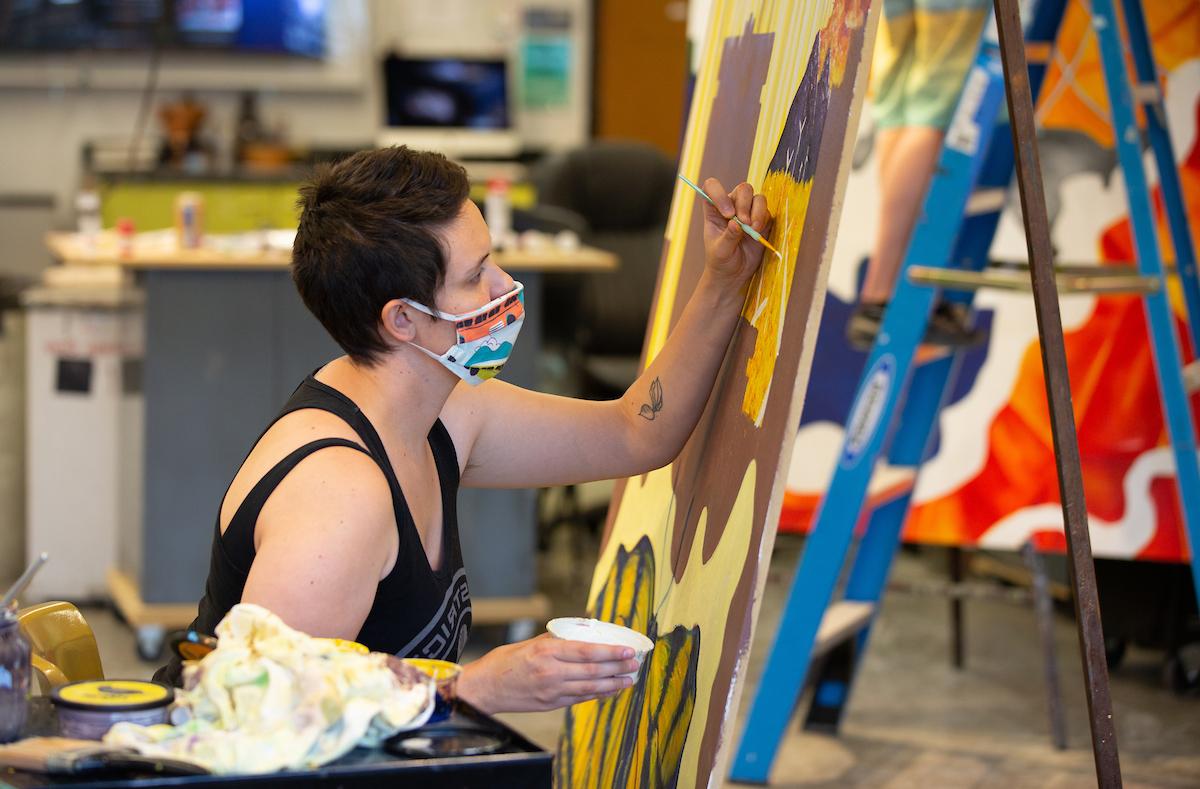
(747, 442)
(708, 472)
(728, 148)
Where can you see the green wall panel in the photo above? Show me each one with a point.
(229, 207)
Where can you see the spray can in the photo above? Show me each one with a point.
(497, 212)
(189, 219)
(125, 235)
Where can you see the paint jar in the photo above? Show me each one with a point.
(594, 631)
(88, 709)
(14, 676)
(445, 677)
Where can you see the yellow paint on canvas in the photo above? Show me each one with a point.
(702, 599)
(648, 507)
(794, 22)
(767, 297)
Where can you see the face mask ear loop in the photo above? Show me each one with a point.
(431, 313)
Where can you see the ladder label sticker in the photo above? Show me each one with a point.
(963, 134)
(868, 409)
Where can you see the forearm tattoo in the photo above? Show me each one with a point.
(650, 410)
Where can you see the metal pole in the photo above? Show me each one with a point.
(957, 645)
(1058, 392)
(1043, 610)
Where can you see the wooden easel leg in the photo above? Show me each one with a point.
(1058, 392)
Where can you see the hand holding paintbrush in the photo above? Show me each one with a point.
(755, 212)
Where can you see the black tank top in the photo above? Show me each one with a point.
(418, 612)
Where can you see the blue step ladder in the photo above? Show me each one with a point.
(949, 250)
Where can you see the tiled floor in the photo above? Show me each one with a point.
(914, 721)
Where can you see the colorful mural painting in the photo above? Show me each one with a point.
(991, 479)
(776, 103)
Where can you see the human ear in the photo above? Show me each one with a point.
(396, 319)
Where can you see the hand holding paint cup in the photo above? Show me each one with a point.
(594, 631)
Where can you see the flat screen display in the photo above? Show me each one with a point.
(294, 27)
(450, 93)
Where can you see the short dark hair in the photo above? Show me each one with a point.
(368, 234)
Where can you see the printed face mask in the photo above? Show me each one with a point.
(484, 338)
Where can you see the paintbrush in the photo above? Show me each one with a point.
(66, 756)
(27, 576)
(745, 227)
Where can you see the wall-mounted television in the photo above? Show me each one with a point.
(285, 27)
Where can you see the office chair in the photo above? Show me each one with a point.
(623, 190)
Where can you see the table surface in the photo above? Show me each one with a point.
(519, 763)
(151, 252)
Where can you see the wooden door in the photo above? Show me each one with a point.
(641, 71)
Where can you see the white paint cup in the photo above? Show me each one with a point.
(594, 631)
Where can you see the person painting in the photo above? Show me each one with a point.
(922, 54)
(342, 519)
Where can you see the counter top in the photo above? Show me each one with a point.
(157, 250)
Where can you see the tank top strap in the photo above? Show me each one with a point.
(238, 538)
(312, 393)
(444, 455)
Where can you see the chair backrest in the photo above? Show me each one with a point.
(615, 185)
(63, 645)
(623, 190)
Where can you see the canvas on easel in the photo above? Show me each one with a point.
(686, 547)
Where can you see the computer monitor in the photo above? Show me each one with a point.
(294, 27)
(458, 106)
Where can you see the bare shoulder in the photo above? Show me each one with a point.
(323, 541)
(335, 501)
(285, 436)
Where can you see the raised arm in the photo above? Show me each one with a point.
(512, 437)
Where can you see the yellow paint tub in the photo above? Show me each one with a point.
(88, 709)
(445, 676)
(349, 646)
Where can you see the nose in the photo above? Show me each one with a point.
(501, 283)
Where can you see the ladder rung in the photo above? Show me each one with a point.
(1068, 282)
(1191, 376)
(1109, 269)
(842, 620)
(986, 201)
(1147, 93)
